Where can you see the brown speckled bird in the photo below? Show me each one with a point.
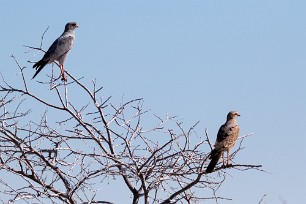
(58, 51)
(226, 139)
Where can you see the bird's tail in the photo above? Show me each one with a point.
(39, 66)
(215, 156)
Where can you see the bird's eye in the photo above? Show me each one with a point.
(74, 24)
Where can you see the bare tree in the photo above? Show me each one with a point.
(65, 153)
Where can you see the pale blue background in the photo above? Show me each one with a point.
(195, 59)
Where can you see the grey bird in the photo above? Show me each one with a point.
(58, 51)
(226, 138)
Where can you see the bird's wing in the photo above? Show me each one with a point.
(59, 47)
(228, 133)
(222, 133)
(215, 154)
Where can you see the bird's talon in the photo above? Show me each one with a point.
(64, 78)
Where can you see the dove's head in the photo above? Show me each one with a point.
(232, 115)
(71, 26)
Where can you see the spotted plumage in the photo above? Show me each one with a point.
(226, 139)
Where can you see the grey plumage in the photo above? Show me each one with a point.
(226, 139)
(59, 50)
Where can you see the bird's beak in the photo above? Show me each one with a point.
(76, 26)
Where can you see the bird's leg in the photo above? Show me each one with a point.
(222, 154)
(228, 158)
(63, 73)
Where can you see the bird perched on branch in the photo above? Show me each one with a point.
(58, 51)
(226, 139)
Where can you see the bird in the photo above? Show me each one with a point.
(59, 50)
(226, 138)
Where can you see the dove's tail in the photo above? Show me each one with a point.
(215, 156)
(39, 66)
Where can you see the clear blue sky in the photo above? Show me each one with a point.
(195, 59)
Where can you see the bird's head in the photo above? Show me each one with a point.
(232, 115)
(71, 26)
